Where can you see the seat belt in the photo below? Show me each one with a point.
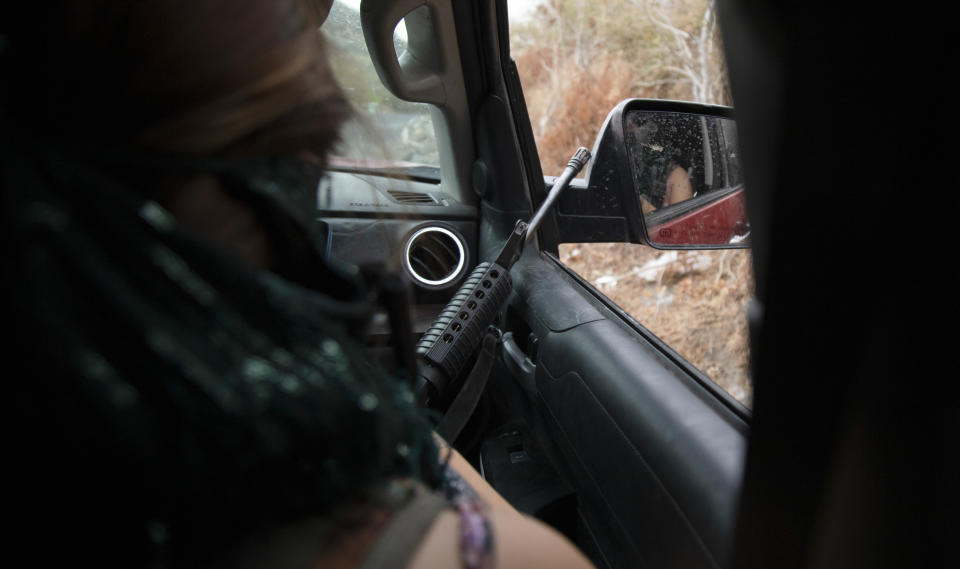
(465, 403)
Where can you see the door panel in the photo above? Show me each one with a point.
(654, 457)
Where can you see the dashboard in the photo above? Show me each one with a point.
(406, 223)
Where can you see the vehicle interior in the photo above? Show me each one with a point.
(589, 421)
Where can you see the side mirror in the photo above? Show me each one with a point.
(664, 173)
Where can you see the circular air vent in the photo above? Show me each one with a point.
(435, 256)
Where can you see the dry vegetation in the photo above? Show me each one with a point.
(577, 59)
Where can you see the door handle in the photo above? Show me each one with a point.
(518, 364)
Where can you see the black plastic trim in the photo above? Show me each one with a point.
(518, 106)
(426, 216)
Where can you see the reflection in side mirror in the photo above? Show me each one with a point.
(686, 176)
(663, 173)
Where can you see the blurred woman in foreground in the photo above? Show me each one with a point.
(189, 389)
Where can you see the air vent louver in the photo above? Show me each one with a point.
(412, 197)
(435, 256)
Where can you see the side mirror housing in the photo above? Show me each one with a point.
(664, 173)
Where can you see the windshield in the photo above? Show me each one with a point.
(386, 131)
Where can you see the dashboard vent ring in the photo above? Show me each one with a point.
(435, 256)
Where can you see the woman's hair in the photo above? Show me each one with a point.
(169, 402)
(174, 75)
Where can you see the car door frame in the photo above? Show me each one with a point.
(679, 443)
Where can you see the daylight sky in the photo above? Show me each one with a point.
(521, 9)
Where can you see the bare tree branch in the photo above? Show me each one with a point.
(686, 72)
(692, 52)
(665, 25)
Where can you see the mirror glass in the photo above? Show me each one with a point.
(686, 173)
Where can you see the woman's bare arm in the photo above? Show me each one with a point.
(473, 478)
(519, 543)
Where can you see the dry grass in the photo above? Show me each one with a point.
(569, 115)
(695, 301)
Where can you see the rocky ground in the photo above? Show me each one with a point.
(695, 301)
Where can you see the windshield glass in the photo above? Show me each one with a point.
(385, 131)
